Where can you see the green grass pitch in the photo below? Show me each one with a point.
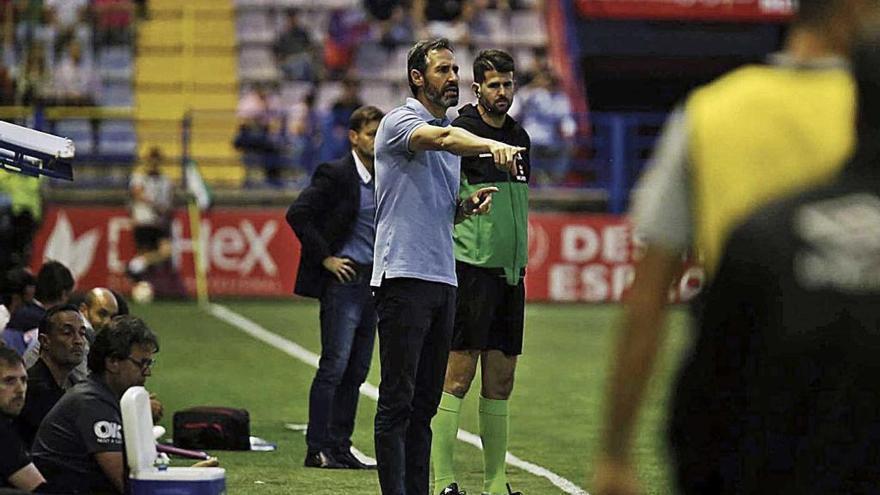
(555, 409)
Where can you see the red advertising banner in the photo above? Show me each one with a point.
(248, 252)
(589, 258)
(703, 10)
(252, 252)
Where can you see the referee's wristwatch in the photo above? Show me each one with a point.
(466, 207)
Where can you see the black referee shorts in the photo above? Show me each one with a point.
(489, 312)
(147, 237)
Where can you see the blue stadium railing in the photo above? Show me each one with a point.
(610, 156)
(618, 148)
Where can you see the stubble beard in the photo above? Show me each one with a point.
(437, 96)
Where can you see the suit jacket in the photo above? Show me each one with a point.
(323, 218)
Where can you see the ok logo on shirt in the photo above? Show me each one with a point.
(108, 432)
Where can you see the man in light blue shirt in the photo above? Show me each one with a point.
(417, 202)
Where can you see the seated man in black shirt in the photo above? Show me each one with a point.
(62, 334)
(79, 444)
(16, 468)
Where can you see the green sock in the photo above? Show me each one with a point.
(493, 431)
(444, 428)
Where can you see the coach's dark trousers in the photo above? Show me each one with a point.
(415, 332)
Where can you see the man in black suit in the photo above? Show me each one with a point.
(334, 220)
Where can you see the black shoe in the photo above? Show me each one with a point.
(322, 459)
(350, 461)
(511, 492)
(452, 489)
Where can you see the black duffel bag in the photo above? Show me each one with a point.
(218, 428)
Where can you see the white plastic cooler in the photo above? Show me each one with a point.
(140, 446)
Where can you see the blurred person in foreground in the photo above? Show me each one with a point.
(16, 468)
(490, 260)
(152, 202)
(417, 203)
(754, 135)
(79, 444)
(781, 393)
(333, 219)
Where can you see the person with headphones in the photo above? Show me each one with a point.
(491, 252)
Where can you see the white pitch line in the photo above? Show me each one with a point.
(293, 349)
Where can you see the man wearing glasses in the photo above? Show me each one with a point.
(79, 445)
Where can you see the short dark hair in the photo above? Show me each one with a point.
(121, 303)
(417, 58)
(865, 60)
(814, 12)
(497, 60)
(53, 279)
(363, 116)
(117, 339)
(46, 323)
(8, 357)
(15, 281)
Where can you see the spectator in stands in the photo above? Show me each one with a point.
(7, 12)
(7, 87)
(446, 19)
(33, 83)
(16, 468)
(295, 51)
(254, 104)
(18, 287)
(142, 9)
(113, 20)
(54, 285)
(62, 348)
(66, 14)
(304, 129)
(259, 133)
(79, 444)
(152, 200)
(345, 29)
(74, 82)
(397, 30)
(335, 141)
(390, 16)
(545, 113)
(381, 10)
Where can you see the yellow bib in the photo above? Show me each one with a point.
(761, 132)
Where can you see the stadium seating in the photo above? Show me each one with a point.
(187, 66)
